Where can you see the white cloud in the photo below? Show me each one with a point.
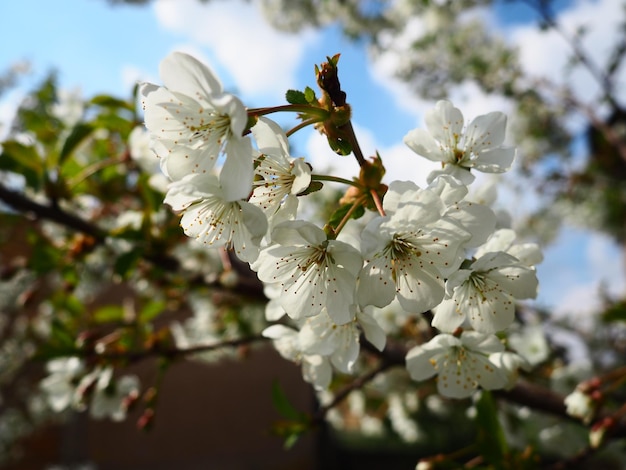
(606, 262)
(545, 54)
(261, 60)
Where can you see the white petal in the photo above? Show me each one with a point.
(445, 123)
(485, 132)
(183, 73)
(423, 143)
(448, 317)
(270, 137)
(317, 371)
(375, 285)
(418, 289)
(496, 160)
(238, 170)
(372, 330)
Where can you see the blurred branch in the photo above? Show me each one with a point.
(247, 284)
(604, 80)
(21, 203)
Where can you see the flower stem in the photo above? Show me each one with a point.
(354, 142)
(302, 125)
(378, 202)
(294, 108)
(346, 217)
(336, 179)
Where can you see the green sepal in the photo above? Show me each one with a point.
(312, 188)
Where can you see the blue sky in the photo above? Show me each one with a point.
(103, 49)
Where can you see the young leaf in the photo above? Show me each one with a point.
(309, 95)
(295, 97)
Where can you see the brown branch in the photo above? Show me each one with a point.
(247, 284)
(156, 350)
(356, 384)
(21, 203)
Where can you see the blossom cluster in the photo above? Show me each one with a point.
(423, 249)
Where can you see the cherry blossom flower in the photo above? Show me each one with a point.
(111, 397)
(314, 272)
(580, 405)
(321, 335)
(529, 254)
(316, 369)
(485, 293)
(193, 122)
(479, 146)
(479, 220)
(408, 251)
(281, 176)
(215, 221)
(60, 386)
(461, 363)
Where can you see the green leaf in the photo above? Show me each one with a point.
(337, 216)
(616, 312)
(151, 310)
(45, 257)
(111, 102)
(127, 261)
(309, 95)
(295, 97)
(109, 314)
(339, 146)
(24, 160)
(282, 404)
(113, 121)
(78, 134)
(490, 440)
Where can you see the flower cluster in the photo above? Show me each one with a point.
(431, 249)
(70, 386)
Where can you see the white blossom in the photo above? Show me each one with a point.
(320, 335)
(479, 146)
(313, 272)
(530, 343)
(111, 397)
(282, 177)
(580, 405)
(193, 121)
(485, 293)
(145, 158)
(461, 363)
(408, 251)
(215, 221)
(316, 369)
(60, 386)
